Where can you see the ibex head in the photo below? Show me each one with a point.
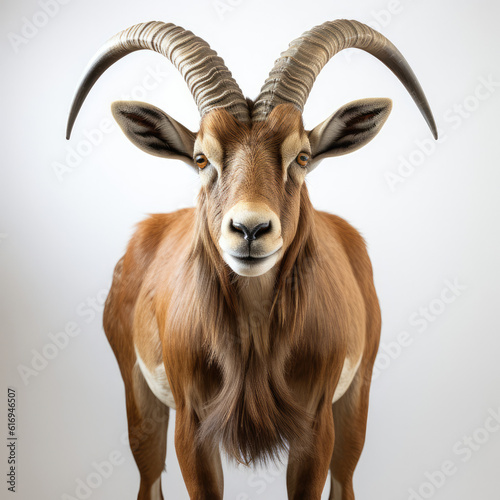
(252, 157)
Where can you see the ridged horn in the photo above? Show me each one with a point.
(294, 73)
(205, 73)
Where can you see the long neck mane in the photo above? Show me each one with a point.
(254, 414)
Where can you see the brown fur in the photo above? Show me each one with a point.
(255, 374)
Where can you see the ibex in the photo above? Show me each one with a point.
(252, 314)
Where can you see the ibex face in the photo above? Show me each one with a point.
(252, 158)
(252, 178)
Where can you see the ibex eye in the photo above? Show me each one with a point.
(201, 161)
(303, 159)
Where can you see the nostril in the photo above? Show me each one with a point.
(261, 229)
(251, 234)
(236, 227)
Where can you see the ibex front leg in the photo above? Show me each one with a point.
(147, 425)
(308, 469)
(200, 464)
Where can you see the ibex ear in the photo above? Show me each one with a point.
(153, 131)
(348, 129)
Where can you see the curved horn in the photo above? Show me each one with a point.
(294, 73)
(207, 77)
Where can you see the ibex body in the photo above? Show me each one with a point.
(252, 314)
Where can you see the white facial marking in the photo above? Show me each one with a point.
(346, 377)
(212, 149)
(157, 382)
(290, 148)
(250, 270)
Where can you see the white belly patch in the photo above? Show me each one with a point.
(346, 377)
(157, 382)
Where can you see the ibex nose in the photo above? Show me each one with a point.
(251, 233)
(250, 238)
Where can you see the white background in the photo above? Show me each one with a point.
(60, 235)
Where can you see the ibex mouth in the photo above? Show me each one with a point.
(253, 258)
(250, 265)
(250, 259)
